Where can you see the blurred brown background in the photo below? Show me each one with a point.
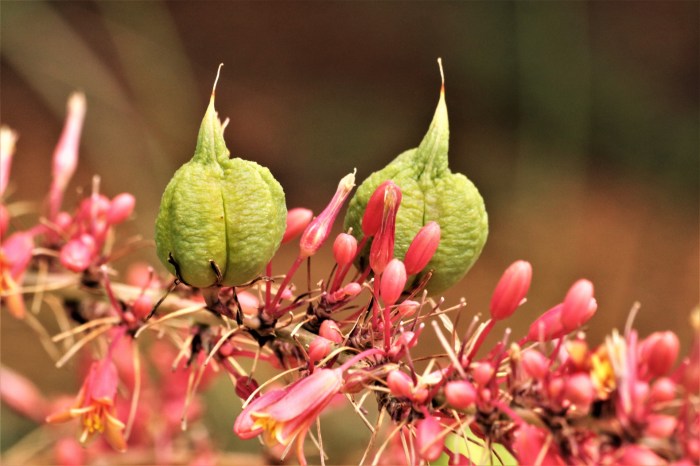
(577, 121)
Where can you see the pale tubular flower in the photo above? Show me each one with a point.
(65, 156)
(318, 230)
(8, 139)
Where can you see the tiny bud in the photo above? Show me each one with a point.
(319, 348)
(555, 387)
(662, 390)
(429, 440)
(245, 386)
(659, 350)
(297, 220)
(548, 326)
(17, 252)
(400, 384)
(535, 364)
(348, 291)
(329, 329)
(407, 339)
(77, 254)
(578, 305)
(460, 394)
(393, 281)
(372, 217)
(63, 221)
(318, 230)
(511, 290)
(142, 306)
(660, 425)
(344, 249)
(407, 308)
(94, 207)
(482, 372)
(422, 248)
(121, 208)
(579, 391)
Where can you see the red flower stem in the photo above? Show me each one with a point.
(375, 305)
(283, 286)
(480, 339)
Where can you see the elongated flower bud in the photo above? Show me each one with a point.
(511, 290)
(120, 208)
(393, 281)
(65, 157)
(372, 218)
(428, 439)
(329, 329)
(318, 230)
(400, 384)
(578, 308)
(382, 249)
(344, 248)
(8, 139)
(548, 326)
(297, 221)
(659, 350)
(422, 248)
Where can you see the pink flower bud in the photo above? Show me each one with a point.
(429, 438)
(297, 220)
(142, 306)
(460, 394)
(8, 139)
(17, 252)
(579, 391)
(77, 254)
(393, 281)
(422, 248)
(94, 207)
(660, 425)
(535, 364)
(344, 249)
(329, 329)
(662, 390)
(63, 222)
(555, 387)
(245, 386)
(400, 384)
(407, 339)
(65, 156)
(548, 326)
(659, 350)
(482, 372)
(511, 290)
(639, 454)
(120, 208)
(319, 348)
(318, 230)
(372, 217)
(407, 308)
(382, 249)
(577, 306)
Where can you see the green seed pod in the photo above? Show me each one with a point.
(221, 219)
(431, 192)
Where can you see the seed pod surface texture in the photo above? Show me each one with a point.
(219, 212)
(431, 192)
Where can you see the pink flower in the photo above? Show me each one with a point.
(511, 290)
(318, 230)
(382, 249)
(287, 414)
(344, 248)
(77, 254)
(392, 282)
(422, 248)
(372, 217)
(579, 305)
(297, 220)
(120, 208)
(95, 405)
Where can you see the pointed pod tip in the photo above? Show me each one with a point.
(216, 80)
(442, 76)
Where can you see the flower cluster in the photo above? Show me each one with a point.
(546, 396)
